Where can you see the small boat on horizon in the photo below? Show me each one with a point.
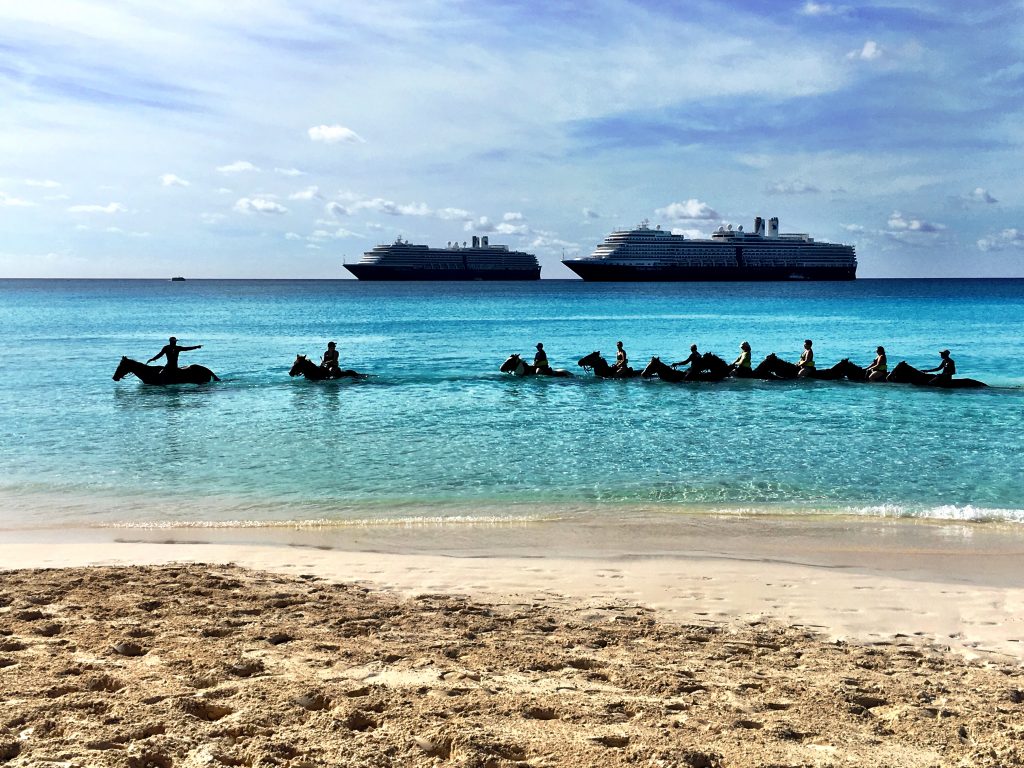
(178, 279)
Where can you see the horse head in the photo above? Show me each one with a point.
(510, 365)
(590, 360)
(122, 369)
(652, 367)
(298, 365)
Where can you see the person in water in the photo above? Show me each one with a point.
(621, 358)
(329, 361)
(540, 360)
(171, 350)
(946, 369)
(692, 360)
(879, 367)
(806, 364)
(741, 365)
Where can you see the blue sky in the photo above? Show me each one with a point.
(274, 139)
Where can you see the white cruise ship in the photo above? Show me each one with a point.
(645, 254)
(402, 260)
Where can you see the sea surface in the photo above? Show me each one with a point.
(437, 433)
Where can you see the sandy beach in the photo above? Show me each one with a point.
(476, 646)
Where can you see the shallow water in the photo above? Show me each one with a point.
(437, 432)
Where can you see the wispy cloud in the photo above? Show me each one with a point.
(980, 195)
(14, 202)
(289, 172)
(262, 205)
(870, 51)
(94, 208)
(171, 180)
(44, 183)
(239, 166)
(311, 192)
(335, 134)
(791, 188)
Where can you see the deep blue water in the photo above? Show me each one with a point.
(438, 431)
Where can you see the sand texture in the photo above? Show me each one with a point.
(195, 665)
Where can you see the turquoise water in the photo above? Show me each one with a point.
(438, 432)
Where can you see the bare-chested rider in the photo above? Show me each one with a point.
(171, 351)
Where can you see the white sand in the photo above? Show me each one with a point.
(951, 585)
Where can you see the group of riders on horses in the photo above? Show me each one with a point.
(741, 367)
(330, 368)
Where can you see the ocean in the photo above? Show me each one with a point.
(436, 433)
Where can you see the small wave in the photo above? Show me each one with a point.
(959, 513)
(325, 523)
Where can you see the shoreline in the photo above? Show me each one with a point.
(957, 585)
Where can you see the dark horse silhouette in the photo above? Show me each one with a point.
(519, 367)
(710, 368)
(904, 373)
(305, 367)
(154, 374)
(602, 370)
(777, 368)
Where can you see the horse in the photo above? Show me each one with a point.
(904, 373)
(783, 369)
(519, 367)
(602, 370)
(710, 368)
(159, 375)
(313, 372)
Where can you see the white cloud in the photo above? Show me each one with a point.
(869, 52)
(289, 172)
(14, 202)
(239, 166)
(1008, 238)
(853, 227)
(391, 208)
(980, 195)
(690, 210)
(259, 205)
(549, 242)
(44, 183)
(337, 209)
(791, 188)
(482, 224)
(453, 214)
(513, 216)
(334, 134)
(811, 8)
(292, 236)
(212, 218)
(108, 208)
(322, 234)
(900, 223)
(119, 231)
(589, 213)
(309, 193)
(171, 180)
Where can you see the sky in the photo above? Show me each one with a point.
(280, 138)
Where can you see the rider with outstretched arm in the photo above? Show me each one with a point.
(692, 360)
(170, 351)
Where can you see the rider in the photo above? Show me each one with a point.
(946, 369)
(329, 361)
(806, 364)
(691, 361)
(621, 359)
(540, 360)
(741, 365)
(170, 351)
(879, 368)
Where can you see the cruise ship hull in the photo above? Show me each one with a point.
(384, 272)
(597, 270)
